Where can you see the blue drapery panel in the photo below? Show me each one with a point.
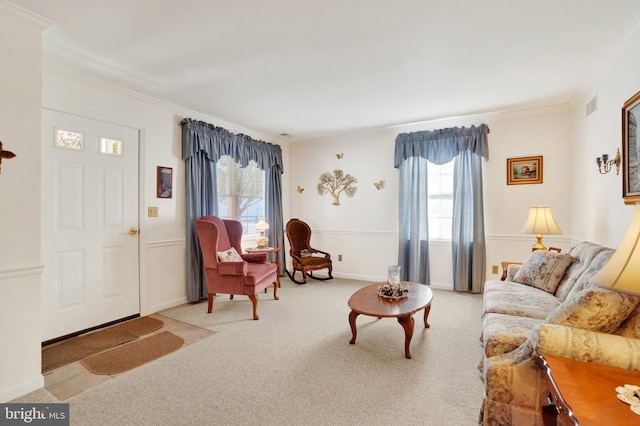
(202, 146)
(467, 146)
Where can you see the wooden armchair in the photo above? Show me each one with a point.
(246, 274)
(305, 258)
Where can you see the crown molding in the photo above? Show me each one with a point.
(24, 16)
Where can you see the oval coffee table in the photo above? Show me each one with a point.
(367, 302)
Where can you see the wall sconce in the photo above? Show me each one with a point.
(604, 164)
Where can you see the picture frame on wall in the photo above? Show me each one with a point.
(524, 170)
(164, 182)
(630, 155)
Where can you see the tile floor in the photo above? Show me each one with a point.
(72, 379)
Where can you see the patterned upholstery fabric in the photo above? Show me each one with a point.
(583, 254)
(519, 300)
(596, 309)
(543, 270)
(504, 333)
(594, 266)
(580, 321)
(631, 326)
(588, 346)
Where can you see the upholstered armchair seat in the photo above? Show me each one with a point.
(248, 275)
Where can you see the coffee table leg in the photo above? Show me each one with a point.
(352, 322)
(426, 315)
(407, 323)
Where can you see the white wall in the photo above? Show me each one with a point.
(20, 242)
(599, 213)
(364, 228)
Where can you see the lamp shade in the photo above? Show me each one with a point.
(262, 224)
(540, 221)
(622, 270)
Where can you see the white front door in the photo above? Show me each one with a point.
(89, 223)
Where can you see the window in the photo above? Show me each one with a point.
(67, 139)
(240, 193)
(440, 200)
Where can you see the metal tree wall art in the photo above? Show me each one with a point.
(337, 183)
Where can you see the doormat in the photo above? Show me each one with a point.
(79, 347)
(140, 326)
(133, 354)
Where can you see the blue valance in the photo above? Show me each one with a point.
(441, 146)
(216, 141)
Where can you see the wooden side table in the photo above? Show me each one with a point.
(584, 393)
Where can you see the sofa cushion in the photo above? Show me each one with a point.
(594, 266)
(631, 326)
(543, 270)
(583, 253)
(595, 309)
(503, 333)
(521, 300)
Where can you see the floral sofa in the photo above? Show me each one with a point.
(548, 306)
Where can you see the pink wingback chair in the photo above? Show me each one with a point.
(248, 277)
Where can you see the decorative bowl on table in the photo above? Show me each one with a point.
(392, 291)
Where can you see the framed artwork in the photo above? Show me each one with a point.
(524, 170)
(630, 157)
(164, 182)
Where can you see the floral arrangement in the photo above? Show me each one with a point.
(393, 291)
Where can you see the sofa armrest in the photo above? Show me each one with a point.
(232, 268)
(509, 269)
(585, 345)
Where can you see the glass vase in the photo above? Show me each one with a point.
(393, 277)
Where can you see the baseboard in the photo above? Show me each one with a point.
(373, 279)
(7, 395)
(161, 307)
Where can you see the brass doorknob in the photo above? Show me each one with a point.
(133, 231)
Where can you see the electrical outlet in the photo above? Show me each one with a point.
(152, 212)
(494, 269)
(339, 258)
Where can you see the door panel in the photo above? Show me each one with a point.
(90, 202)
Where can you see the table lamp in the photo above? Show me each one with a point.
(540, 221)
(622, 270)
(261, 227)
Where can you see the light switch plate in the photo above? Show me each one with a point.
(152, 212)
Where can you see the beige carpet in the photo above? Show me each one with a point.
(62, 353)
(133, 354)
(296, 366)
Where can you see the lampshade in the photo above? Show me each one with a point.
(622, 270)
(540, 221)
(262, 224)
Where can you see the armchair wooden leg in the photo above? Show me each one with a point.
(210, 303)
(276, 286)
(254, 300)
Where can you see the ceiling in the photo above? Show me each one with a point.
(317, 69)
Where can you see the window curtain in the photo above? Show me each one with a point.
(467, 147)
(202, 146)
